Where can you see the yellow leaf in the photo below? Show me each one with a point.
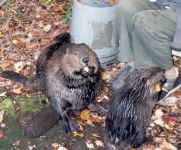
(95, 135)
(17, 90)
(15, 41)
(40, 24)
(1, 13)
(75, 134)
(85, 114)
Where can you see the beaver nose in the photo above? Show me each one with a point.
(85, 60)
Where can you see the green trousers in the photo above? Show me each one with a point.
(145, 32)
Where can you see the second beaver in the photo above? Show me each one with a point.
(68, 74)
(130, 112)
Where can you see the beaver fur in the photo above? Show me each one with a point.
(68, 75)
(131, 108)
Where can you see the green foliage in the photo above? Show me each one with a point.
(48, 2)
(67, 14)
(10, 6)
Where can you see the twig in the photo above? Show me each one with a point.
(3, 2)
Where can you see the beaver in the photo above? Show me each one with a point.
(68, 74)
(131, 108)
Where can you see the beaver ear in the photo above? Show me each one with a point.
(144, 80)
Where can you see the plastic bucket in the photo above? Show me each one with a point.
(96, 26)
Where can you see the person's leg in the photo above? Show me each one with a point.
(153, 31)
(125, 11)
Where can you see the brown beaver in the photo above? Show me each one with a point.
(130, 112)
(68, 75)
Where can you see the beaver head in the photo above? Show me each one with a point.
(80, 62)
(129, 114)
(152, 78)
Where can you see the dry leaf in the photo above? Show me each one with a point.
(16, 143)
(158, 113)
(167, 146)
(47, 28)
(1, 133)
(62, 148)
(95, 135)
(40, 24)
(1, 13)
(3, 94)
(1, 115)
(95, 119)
(85, 114)
(75, 134)
(159, 122)
(99, 143)
(89, 144)
(55, 145)
(3, 125)
(31, 147)
(19, 66)
(17, 90)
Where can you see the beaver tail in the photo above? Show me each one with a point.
(19, 78)
(14, 77)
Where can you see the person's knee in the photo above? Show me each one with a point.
(126, 7)
(142, 23)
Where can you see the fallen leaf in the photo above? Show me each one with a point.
(85, 114)
(89, 144)
(47, 28)
(166, 146)
(40, 24)
(99, 143)
(167, 119)
(3, 125)
(62, 148)
(158, 113)
(31, 147)
(55, 145)
(1, 133)
(3, 94)
(16, 143)
(95, 135)
(149, 147)
(1, 13)
(94, 118)
(75, 134)
(1, 34)
(17, 90)
(19, 66)
(159, 122)
(1, 115)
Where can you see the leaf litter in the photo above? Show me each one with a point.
(26, 28)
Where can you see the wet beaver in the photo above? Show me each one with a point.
(130, 112)
(68, 75)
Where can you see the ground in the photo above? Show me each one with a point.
(26, 28)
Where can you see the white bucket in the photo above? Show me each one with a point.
(96, 26)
